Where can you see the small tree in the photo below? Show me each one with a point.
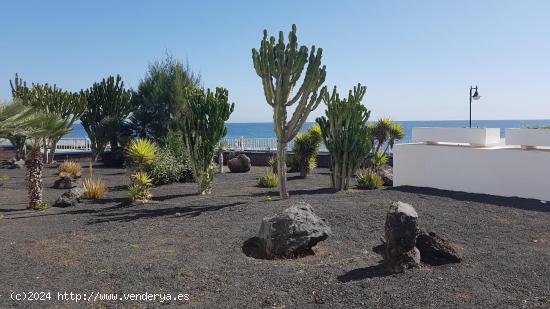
(155, 99)
(201, 118)
(108, 105)
(384, 133)
(20, 119)
(345, 133)
(280, 66)
(305, 149)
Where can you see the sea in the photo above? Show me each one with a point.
(265, 129)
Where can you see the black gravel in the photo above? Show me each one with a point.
(184, 243)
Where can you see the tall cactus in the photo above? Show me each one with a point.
(108, 105)
(346, 134)
(280, 66)
(201, 117)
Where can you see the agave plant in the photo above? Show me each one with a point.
(139, 190)
(141, 153)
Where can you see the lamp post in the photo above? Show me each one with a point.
(476, 97)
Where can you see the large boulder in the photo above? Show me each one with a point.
(69, 198)
(386, 172)
(239, 164)
(400, 237)
(434, 248)
(293, 233)
(65, 182)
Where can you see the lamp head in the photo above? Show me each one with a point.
(476, 95)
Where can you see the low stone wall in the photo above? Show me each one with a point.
(261, 158)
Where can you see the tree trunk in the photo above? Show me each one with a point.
(220, 161)
(281, 169)
(97, 149)
(34, 176)
(53, 145)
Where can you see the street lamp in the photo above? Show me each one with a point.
(474, 96)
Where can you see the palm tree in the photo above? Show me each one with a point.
(16, 118)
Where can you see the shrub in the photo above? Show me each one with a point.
(139, 190)
(305, 149)
(94, 188)
(268, 180)
(168, 169)
(71, 168)
(368, 179)
(272, 163)
(378, 160)
(40, 205)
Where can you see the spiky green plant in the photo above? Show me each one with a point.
(141, 153)
(368, 179)
(201, 118)
(280, 66)
(345, 133)
(305, 149)
(384, 133)
(139, 190)
(378, 160)
(268, 180)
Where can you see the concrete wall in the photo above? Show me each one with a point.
(504, 171)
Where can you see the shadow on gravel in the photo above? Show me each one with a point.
(172, 196)
(118, 188)
(299, 192)
(512, 202)
(252, 247)
(365, 273)
(132, 213)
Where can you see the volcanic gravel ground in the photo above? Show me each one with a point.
(185, 243)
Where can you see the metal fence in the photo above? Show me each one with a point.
(230, 143)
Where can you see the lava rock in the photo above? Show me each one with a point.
(386, 172)
(239, 164)
(65, 182)
(11, 164)
(400, 250)
(435, 248)
(293, 233)
(69, 198)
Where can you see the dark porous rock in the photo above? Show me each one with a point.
(400, 251)
(436, 249)
(18, 163)
(293, 233)
(65, 182)
(239, 164)
(69, 198)
(11, 164)
(386, 172)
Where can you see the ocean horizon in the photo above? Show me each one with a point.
(265, 129)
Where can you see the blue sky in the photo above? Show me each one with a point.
(417, 58)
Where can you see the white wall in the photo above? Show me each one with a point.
(503, 171)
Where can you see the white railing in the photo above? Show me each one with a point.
(250, 143)
(82, 144)
(231, 143)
